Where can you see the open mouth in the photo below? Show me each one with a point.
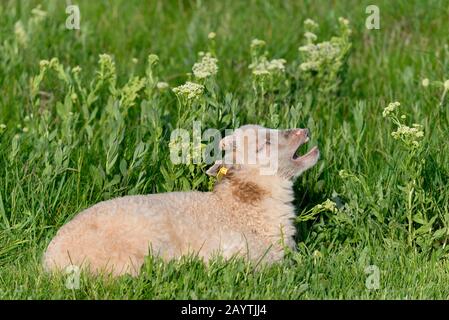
(301, 150)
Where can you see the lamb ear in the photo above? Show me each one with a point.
(227, 143)
(212, 171)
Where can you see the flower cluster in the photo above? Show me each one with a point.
(317, 55)
(310, 24)
(38, 14)
(310, 36)
(162, 85)
(189, 90)
(426, 82)
(256, 43)
(23, 32)
(392, 106)
(20, 34)
(444, 85)
(327, 205)
(206, 67)
(266, 67)
(130, 92)
(322, 62)
(410, 136)
(311, 214)
(262, 67)
(343, 21)
(107, 68)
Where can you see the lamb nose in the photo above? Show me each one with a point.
(307, 132)
(299, 132)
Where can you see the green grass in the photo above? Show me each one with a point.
(393, 201)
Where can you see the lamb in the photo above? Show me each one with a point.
(247, 214)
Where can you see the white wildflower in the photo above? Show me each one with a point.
(277, 65)
(256, 43)
(308, 48)
(265, 67)
(328, 50)
(446, 84)
(206, 67)
(330, 205)
(344, 174)
(54, 62)
(189, 90)
(343, 21)
(38, 14)
(211, 35)
(306, 66)
(310, 24)
(44, 63)
(408, 134)
(327, 205)
(425, 82)
(76, 69)
(2, 126)
(162, 85)
(134, 60)
(259, 69)
(152, 59)
(20, 34)
(316, 55)
(107, 67)
(25, 129)
(390, 108)
(310, 36)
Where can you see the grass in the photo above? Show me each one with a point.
(112, 140)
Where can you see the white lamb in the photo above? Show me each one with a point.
(248, 214)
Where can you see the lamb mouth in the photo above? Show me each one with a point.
(297, 154)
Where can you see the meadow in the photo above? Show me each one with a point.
(86, 115)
